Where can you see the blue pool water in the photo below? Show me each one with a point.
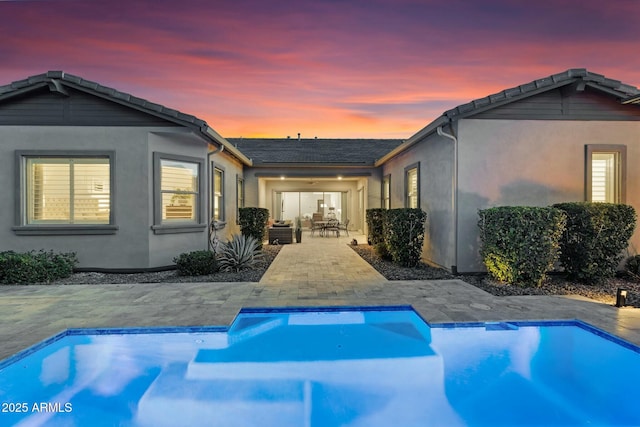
(353, 367)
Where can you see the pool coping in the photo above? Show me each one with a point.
(492, 325)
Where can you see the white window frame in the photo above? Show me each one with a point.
(409, 197)
(163, 226)
(218, 199)
(60, 227)
(386, 192)
(240, 196)
(617, 190)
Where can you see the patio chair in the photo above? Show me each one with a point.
(332, 225)
(344, 226)
(315, 227)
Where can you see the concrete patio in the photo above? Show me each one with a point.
(318, 272)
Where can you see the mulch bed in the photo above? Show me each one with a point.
(554, 284)
(171, 276)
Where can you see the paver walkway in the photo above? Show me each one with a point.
(29, 314)
(320, 265)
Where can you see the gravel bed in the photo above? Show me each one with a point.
(555, 284)
(171, 276)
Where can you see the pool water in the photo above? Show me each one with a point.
(326, 367)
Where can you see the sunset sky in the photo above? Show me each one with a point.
(325, 68)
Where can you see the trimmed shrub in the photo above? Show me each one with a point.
(595, 238)
(375, 225)
(239, 253)
(520, 244)
(35, 267)
(404, 235)
(196, 263)
(253, 222)
(632, 267)
(382, 251)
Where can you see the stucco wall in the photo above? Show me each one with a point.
(531, 162)
(435, 156)
(162, 248)
(232, 170)
(134, 245)
(128, 247)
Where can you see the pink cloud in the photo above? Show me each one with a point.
(352, 68)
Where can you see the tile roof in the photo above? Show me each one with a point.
(40, 80)
(348, 152)
(57, 80)
(625, 93)
(597, 81)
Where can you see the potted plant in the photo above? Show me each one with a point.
(298, 230)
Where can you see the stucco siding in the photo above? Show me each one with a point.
(232, 170)
(134, 245)
(530, 162)
(162, 248)
(435, 156)
(128, 247)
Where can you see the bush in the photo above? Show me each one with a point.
(196, 263)
(35, 267)
(596, 235)
(520, 244)
(382, 251)
(239, 253)
(253, 222)
(375, 225)
(632, 267)
(404, 235)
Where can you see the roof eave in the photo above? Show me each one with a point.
(162, 113)
(417, 137)
(635, 99)
(315, 165)
(22, 90)
(604, 89)
(216, 137)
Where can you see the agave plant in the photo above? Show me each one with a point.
(239, 253)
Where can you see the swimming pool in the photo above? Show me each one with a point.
(371, 366)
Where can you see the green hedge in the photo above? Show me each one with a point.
(519, 244)
(595, 238)
(35, 267)
(404, 235)
(196, 263)
(632, 267)
(375, 226)
(253, 222)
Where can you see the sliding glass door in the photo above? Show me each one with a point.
(288, 205)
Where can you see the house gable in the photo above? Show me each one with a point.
(42, 106)
(572, 102)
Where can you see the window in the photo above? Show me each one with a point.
(218, 195)
(178, 191)
(68, 191)
(386, 192)
(606, 173)
(412, 186)
(240, 196)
